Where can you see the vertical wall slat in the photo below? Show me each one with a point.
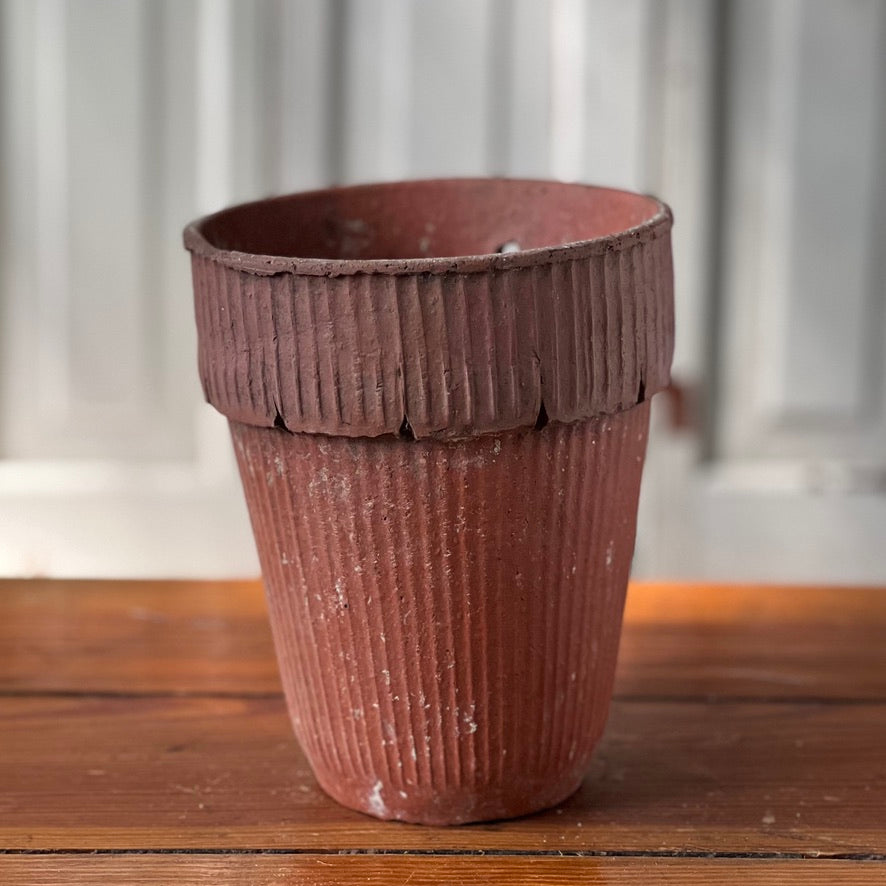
(378, 90)
(529, 84)
(802, 324)
(450, 64)
(303, 116)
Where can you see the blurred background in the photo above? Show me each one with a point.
(762, 123)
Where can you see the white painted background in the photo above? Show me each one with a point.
(762, 122)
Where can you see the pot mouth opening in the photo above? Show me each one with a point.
(431, 225)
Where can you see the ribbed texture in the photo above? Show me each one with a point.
(454, 353)
(447, 616)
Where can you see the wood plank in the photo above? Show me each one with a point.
(213, 637)
(753, 642)
(135, 637)
(167, 773)
(256, 870)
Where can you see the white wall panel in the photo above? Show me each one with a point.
(378, 90)
(172, 196)
(123, 119)
(84, 351)
(616, 50)
(804, 323)
(837, 188)
(22, 218)
(450, 64)
(678, 141)
(102, 204)
(793, 487)
(525, 81)
(301, 43)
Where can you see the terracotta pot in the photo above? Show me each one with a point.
(441, 447)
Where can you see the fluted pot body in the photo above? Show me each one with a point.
(441, 447)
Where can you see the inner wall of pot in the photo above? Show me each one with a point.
(427, 219)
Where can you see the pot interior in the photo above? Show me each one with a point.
(427, 219)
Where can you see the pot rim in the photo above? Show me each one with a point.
(196, 241)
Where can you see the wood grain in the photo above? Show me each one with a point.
(212, 637)
(753, 642)
(135, 637)
(164, 773)
(318, 870)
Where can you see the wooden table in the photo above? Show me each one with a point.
(143, 739)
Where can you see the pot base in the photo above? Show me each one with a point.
(428, 807)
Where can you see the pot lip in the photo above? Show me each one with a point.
(269, 265)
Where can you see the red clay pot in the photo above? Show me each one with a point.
(441, 447)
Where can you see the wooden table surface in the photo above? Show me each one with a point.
(143, 739)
